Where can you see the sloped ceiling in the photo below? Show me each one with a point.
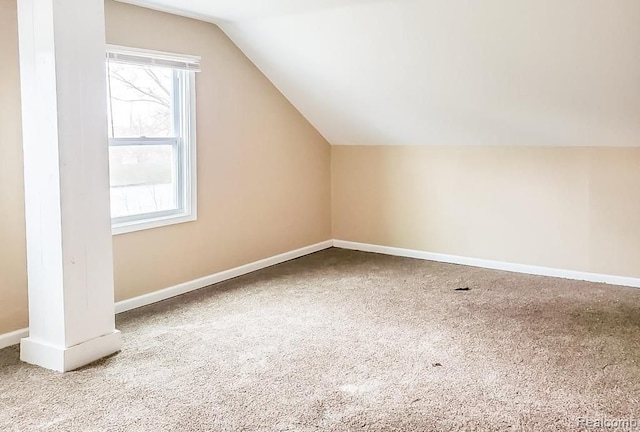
(440, 72)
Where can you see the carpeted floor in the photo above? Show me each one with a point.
(351, 341)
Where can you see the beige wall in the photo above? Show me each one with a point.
(263, 171)
(13, 267)
(568, 208)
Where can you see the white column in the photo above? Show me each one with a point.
(69, 250)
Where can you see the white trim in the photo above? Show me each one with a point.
(206, 281)
(146, 57)
(191, 174)
(14, 338)
(67, 359)
(144, 224)
(489, 264)
(186, 163)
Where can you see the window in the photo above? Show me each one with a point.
(152, 143)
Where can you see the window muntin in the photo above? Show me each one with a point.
(151, 143)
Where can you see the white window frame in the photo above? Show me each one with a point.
(184, 145)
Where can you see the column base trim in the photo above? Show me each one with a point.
(68, 359)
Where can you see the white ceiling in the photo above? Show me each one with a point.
(220, 11)
(435, 72)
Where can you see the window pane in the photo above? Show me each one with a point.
(140, 103)
(143, 179)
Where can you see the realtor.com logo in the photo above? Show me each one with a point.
(615, 424)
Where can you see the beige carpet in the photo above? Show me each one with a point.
(350, 341)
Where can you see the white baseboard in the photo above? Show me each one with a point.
(193, 285)
(495, 265)
(14, 338)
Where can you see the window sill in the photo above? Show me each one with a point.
(129, 227)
